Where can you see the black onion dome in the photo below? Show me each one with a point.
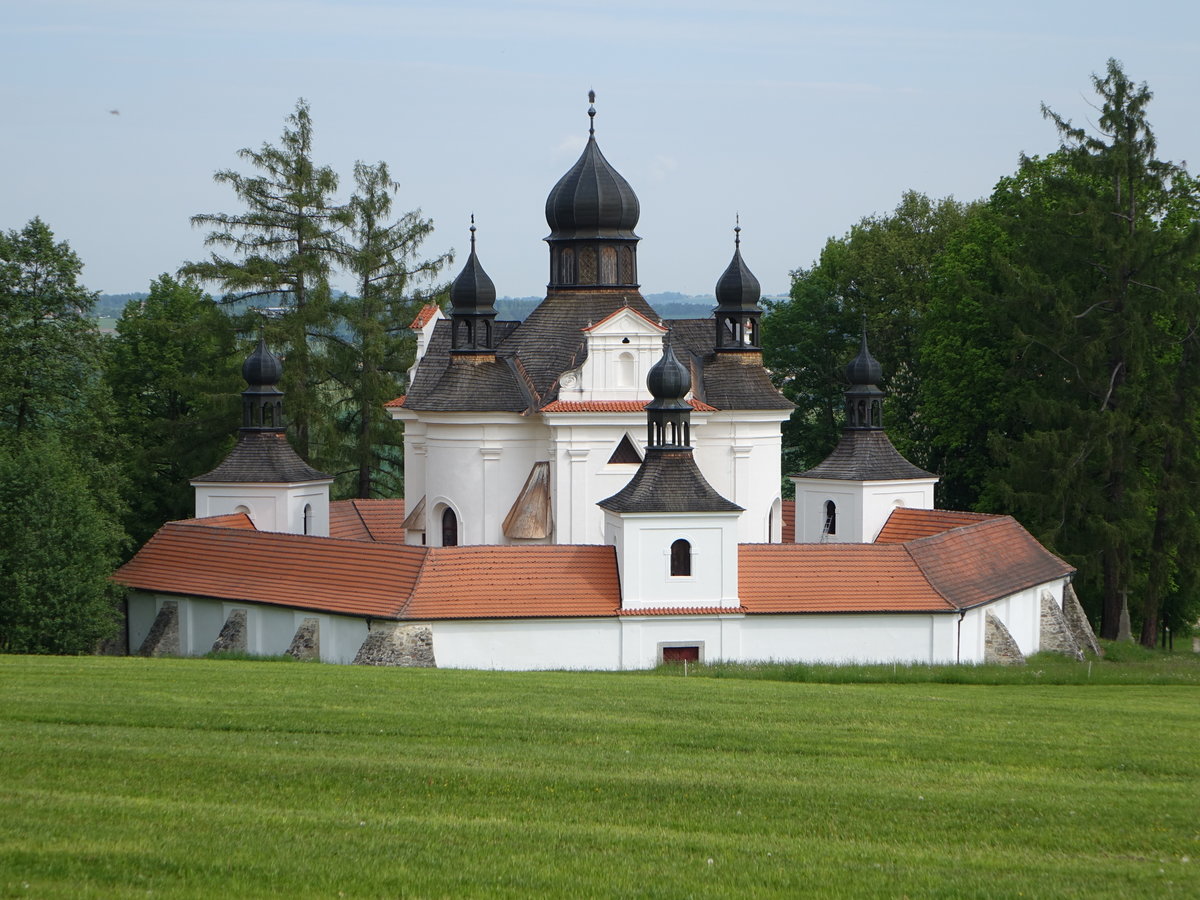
(668, 381)
(737, 289)
(592, 200)
(864, 369)
(262, 367)
(473, 290)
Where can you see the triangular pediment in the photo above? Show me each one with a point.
(625, 320)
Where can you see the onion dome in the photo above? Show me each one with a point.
(864, 369)
(262, 367)
(668, 381)
(737, 289)
(473, 292)
(592, 200)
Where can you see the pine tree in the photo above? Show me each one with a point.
(370, 354)
(283, 247)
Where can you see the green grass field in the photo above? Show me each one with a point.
(132, 777)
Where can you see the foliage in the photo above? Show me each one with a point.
(880, 271)
(283, 248)
(368, 359)
(124, 776)
(173, 370)
(58, 550)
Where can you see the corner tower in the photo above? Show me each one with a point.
(737, 314)
(473, 311)
(592, 212)
(849, 496)
(263, 476)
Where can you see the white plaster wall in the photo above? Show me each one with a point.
(881, 497)
(851, 639)
(862, 506)
(142, 610)
(272, 507)
(527, 644)
(477, 464)
(600, 375)
(643, 543)
(739, 453)
(718, 637)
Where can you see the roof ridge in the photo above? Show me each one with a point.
(358, 512)
(924, 575)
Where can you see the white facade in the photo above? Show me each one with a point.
(861, 506)
(300, 508)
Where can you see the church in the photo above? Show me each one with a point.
(594, 488)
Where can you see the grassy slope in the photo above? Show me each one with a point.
(202, 778)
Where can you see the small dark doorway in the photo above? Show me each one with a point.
(449, 528)
(830, 517)
(680, 654)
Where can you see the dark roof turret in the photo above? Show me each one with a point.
(473, 291)
(737, 288)
(864, 370)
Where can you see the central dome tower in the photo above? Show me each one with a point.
(592, 212)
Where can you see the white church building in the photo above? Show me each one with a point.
(594, 488)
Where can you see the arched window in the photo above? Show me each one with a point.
(268, 414)
(308, 518)
(449, 528)
(626, 371)
(681, 558)
(566, 266)
(608, 265)
(830, 517)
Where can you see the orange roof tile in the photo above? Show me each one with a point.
(985, 561)
(833, 578)
(788, 529)
(574, 406)
(355, 577)
(498, 582)
(367, 520)
(684, 611)
(232, 520)
(394, 404)
(910, 524)
(428, 311)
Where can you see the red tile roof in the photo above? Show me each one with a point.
(500, 582)
(367, 520)
(393, 404)
(573, 406)
(232, 520)
(788, 529)
(910, 524)
(428, 311)
(355, 577)
(985, 561)
(829, 578)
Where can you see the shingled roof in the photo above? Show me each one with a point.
(262, 457)
(865, 455)
(532, 354)
(668, 480)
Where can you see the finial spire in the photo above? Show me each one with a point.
(472, 232)
(737, 231)
(591, 112)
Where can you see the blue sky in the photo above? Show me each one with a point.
(803, 117)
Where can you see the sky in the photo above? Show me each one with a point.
(800, 117)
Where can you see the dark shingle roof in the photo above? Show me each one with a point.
(262, 457)
(865, 455)
(668, 481)
(551, 341)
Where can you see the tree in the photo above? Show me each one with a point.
(880, 269)
(1094, 295)
(370, 354)
(173, 369)
(59, 548)
(284, 244)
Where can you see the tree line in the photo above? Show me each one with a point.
(1041, 353)
(100, 434)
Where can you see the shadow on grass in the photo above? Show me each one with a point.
(1122, 664)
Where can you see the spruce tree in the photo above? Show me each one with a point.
(282, 249)
(372, 347)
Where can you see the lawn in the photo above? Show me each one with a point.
(133, 777)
